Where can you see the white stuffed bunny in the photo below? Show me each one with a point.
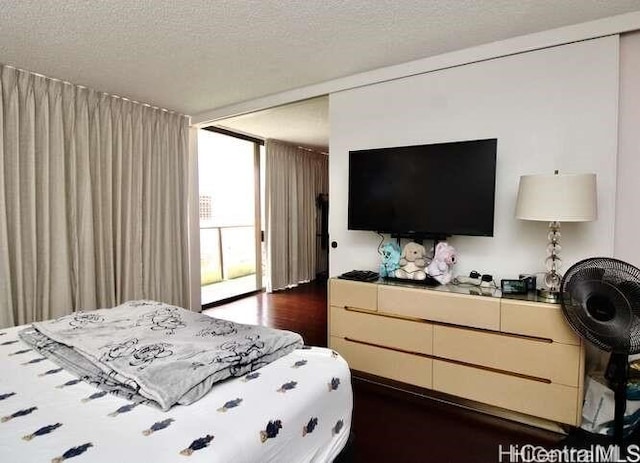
(444, 259)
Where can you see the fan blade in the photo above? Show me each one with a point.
(598, 311)
(588, 273)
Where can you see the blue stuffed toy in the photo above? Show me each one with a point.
(390, 256)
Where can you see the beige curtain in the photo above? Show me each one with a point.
(92, 200)
(294, 179)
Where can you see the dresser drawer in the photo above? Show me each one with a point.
(457, 309)
(412, 336)
(554, 402)
(558, 363)
(407, 368)
(345, 293)
(536, 319)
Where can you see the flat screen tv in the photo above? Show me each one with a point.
(428, 191)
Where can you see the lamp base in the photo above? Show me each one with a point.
(548, 295)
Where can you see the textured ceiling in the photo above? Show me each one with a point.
(197, 55)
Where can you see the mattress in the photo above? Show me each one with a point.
(296, 409)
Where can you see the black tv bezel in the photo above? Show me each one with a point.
(423, 234)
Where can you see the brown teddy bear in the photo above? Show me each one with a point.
(413, 262)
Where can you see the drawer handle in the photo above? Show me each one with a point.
(351, 308)
(385, 315)
(396, 349)
(495, 370)
(455, 362)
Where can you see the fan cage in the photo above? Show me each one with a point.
(601, 302)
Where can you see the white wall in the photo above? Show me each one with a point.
(550, 109)
(627, 232)
(604, 27)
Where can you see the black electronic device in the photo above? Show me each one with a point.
(530, 279)
(475, 278)
(486, 278)
(512, 286)
(360, 275)
(424, 191)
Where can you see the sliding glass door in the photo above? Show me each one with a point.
(230, 216)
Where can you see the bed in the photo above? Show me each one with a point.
(295, 409)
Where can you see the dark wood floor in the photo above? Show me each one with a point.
(389, 425)
(302, 309)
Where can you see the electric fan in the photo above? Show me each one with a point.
(601, 301)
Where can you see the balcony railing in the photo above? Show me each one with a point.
(226, 252)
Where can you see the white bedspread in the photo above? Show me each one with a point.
(296, 409)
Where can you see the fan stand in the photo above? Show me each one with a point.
(601, 302)
(617, 373)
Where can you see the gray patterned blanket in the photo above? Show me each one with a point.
(154, 352)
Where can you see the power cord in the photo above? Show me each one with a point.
(381, 241)
(475, 279)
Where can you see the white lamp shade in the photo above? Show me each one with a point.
(557, 197)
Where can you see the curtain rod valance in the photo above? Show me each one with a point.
(84, 87)
(297, 146)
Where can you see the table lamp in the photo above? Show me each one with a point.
(556, 198)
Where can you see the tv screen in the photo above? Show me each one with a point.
(432, 190)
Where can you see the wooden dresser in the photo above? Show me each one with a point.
(513, 354)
